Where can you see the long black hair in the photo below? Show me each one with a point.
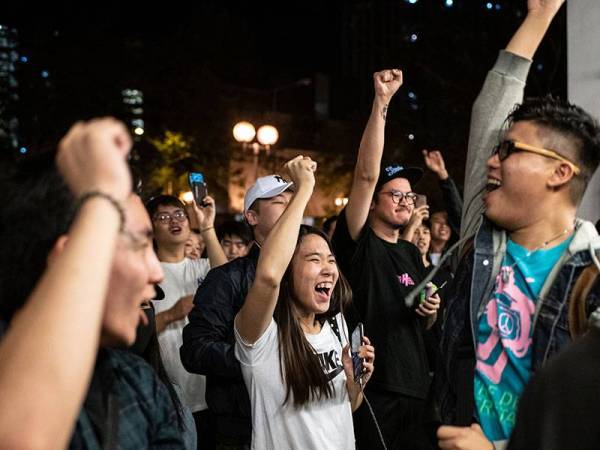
(300, 367)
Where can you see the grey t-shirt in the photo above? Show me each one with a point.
(324, 424)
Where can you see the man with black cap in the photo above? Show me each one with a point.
(208, 339)
(382, 270)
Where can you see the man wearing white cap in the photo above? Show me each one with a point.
(208, 339)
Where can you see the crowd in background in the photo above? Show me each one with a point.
(142, 323)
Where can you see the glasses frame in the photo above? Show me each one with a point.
(171, 216)
(411, 197)
(512, 145)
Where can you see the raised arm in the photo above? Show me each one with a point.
(48, 352)
(370, 151)
(434, 160)
(276, 254)
(502, 90)
(206, 220)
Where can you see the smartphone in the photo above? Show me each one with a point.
(430, 290)
(421, 200)
(356, 341)
(198, 187)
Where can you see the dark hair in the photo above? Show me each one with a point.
(234, 228)
(300, 367)
(163, 200)
(328, 223)
(37, 208)
(565, 120)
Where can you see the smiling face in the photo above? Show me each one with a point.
(383, 208)
(517, 191)
(440, 230)
(134, 272)
(422, 239)
(170, 231)
(194, 246)
(315, 274)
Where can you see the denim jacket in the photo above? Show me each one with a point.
(473, 286)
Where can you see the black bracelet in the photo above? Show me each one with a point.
(91, 194)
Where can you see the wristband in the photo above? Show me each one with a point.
(92, 194)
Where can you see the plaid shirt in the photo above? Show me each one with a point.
(146, 414)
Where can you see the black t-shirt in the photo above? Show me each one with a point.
(381, 275)
(560, 406)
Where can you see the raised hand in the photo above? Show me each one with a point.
(435, 162)
(302, 171)
(205, 214)
(546, 8)
(92, 156)
(387, 83)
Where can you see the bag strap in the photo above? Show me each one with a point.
(334, 327)
(578, 319)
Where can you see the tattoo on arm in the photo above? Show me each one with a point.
(384, 112)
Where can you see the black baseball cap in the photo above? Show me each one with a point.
(392, 171)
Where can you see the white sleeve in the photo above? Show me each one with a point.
(203, 267)
(253, 354)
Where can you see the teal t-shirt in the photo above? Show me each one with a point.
(504, 335)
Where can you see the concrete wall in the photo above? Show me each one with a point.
(583, 44)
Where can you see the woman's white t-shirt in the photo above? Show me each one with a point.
(320, 424)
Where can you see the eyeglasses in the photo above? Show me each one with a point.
(397, 196)
(164, 217)
(506, 148)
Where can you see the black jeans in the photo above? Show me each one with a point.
(400, 419)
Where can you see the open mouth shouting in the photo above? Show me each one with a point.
(175, 229)
(324, 290)
(492, 184)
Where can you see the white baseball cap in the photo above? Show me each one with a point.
(266, 187)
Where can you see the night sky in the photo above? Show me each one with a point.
(202, 69)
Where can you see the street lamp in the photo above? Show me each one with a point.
(266, 136)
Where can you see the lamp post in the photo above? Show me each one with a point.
(266, 136)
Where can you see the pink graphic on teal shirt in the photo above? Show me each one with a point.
(510, 321)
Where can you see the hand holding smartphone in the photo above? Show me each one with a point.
(357, 362)
(198, 187)
(421, 200)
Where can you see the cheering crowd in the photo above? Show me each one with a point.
(129, 323)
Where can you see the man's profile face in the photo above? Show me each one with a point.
(134, 272)
(517, 187)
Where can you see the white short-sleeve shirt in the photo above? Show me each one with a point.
(181, 279)
(324, 424)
